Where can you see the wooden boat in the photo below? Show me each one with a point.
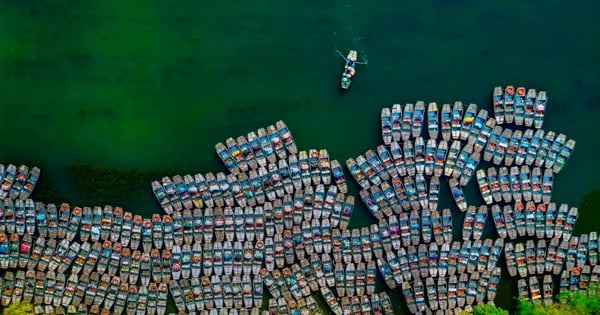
(433, 124)
(422, 194)
(498, 104)
(266, 146)
(455, 149)
(554, 150)
(357, 173)
(534, 146)
(469, 169)
(457, 194)
(386, 125)
(457, 118)
(484, 187)
(426, 225)
(418, 118)
(477, 127)
(349, 68)
(565, 152)
(407, 119)
(534, 287)
(462, 160)
(540, 108)
(446, 122)
(463, 256)
(396, 119)
(430, 150)
(509, 104)
(492, 144)
(519, 106)
(396, 152)
(593, 248)
(544, 149)
(570, 220)
(376, 164)
(452, 292)
(467, 121)
(529, 107)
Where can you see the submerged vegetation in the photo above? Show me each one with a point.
(100, 185)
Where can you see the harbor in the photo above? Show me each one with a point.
(278, 219)
(174, 131)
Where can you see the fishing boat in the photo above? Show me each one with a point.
(349, 68)
(498, 104)
(484, 187)
(440, 158)
(570, 220)
(433, 123)
(501, 148)
(534, 146)
(529, 107)
(286, 137)
(430, 150)
(554, 150)
(396, 117)
(456, 122)
(467, 121)
(338, 176)
(356, 172)
(565, 152)
(376, 165)
(418, 119)
(387, 161)
(457, 194)
(455, 149)
(409, 161)
(540, 109)
(445, 122)
(521, 259)
(434, 192)
(386, 125)
(226, 157)
(509, 104)
(519, 115)
(477, 127)
(407, 119)
(470, 165)
(479, 223)
(29, 185)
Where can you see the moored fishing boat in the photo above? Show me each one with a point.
(286, 137)
(396, 117)
(457, 194)
(509, 104)
(386, 125)
(565, 152)
(540, 109)
(554, 150)
(29, 185)
(484, 187)
(529, 107)
(446, 122)
(498, 104)
(480, 120)
(407, 119)
(453, 153)
(467, 121)
(457, 118)
(432, 120)
(519, 115)
(418, 119)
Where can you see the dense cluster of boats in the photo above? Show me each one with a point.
(422, 147)
(278, 221)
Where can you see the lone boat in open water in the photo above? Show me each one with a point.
(349, 68)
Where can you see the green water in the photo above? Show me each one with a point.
(125, 84)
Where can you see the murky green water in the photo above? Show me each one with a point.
(124, 84)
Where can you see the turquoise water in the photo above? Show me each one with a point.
(155, 85)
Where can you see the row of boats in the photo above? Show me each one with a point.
(484, 134)
(528, 220)
(255, 149)
(18, 183)
(524, 184)
(523, 107)
(250, 188)
(529, 258)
